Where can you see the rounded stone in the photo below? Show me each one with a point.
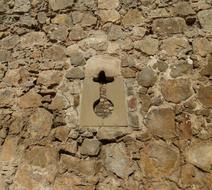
(146, 77)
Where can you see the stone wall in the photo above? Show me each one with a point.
(165, 51)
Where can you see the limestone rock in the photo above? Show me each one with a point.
(56, 5)
(59, 102)
(205, 19)
(148, 45)
(76, 58)
(62, 19)
(146, 77)
(202, 46)
(115, 32)
(6, 97)
(84, 167)
(41, 156)
(5, 56)
(175, 45)
(61, 133)
(116, 160)
(97, 41)
(22, 178)
(21, 6)
(159, 159)
(169, 25)
(30, 100)
(180, 69)
(90, 147)
(32, 39)
(40, 123)
(205, 96)
(128, 72)
(28, 21)
(9, 149)
(49, 78)
(9, 42)
(77, 33)
(161, 122)
(109, 15)
(55, 52)
(57, 32)
(207, 70)
(133, 18)
(111, 134)
(88, 20)
(183, 9)
(75, 73)
(200, 155)
(176, 90)
(108, 4)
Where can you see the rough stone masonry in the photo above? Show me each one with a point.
(165, 51)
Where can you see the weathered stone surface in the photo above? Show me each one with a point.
(175, 45)
(207, 70)
(90, 147)
(88, 20)
(75, 73)
(183, 9)
(200, 155)
(61, 133)
(30, 100)
(146, 77)
(32, 39)
(9, 149)
(97, 41)
(49, 78)
(115, 32)
(161, 122)
(59, 102)
(76, 58)
(202, 46)
(108, 4)
(148, 45)
(77, 33)
(109, 15)
(176, 90)
(9, 42)
(55, 52)
(24, 180)
(133, 18)
(21, 6)
(57, 32)
(40, 123)
(6, 97)
(205, 95)
(56, 5)
(5, 56)
(84, 167)
(41, 156)
(111, 134)
(205, 19)
(16, 77)
(159, 159)
(28, 21)
(128, 73)
(62, 19)
(169, 25)
(180, 69)
(116, 160)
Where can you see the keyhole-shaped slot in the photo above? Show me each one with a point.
(103, 107)
(102, 79)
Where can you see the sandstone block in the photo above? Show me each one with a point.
(169, 25)
(176, 90)
(161, 122)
